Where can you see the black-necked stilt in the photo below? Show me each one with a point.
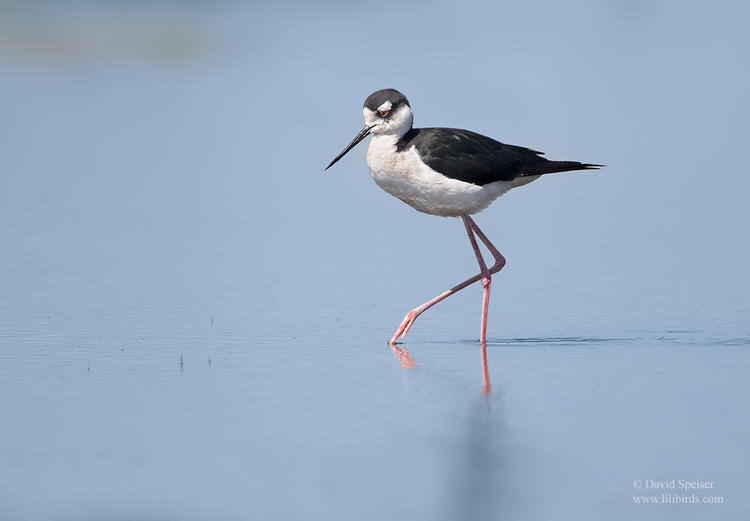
(448, 172)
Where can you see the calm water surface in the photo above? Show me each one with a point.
(236, 414)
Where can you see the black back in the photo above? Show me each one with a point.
(477, 159)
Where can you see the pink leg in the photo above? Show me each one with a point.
(487, 274)
(486, 278)
(471, 228)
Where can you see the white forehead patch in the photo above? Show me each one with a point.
(385, 106)
(370, 117)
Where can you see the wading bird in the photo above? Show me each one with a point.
(447, 172)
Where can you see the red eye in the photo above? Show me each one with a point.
(383, 113)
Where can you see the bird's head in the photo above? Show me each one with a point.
(387, 112)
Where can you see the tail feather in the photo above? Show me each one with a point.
(549, 167)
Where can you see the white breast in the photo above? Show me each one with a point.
(404, 175)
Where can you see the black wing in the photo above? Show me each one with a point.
(477, 159)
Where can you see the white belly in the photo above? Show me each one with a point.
(404, 175)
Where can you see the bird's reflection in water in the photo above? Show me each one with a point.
(404, 358)
(477, 485)
(486, 384)
(406, 361)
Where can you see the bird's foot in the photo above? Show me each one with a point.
(405, 326)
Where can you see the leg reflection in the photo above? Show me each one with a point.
(404, 358)
(486, 384)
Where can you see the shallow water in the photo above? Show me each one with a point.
(193, 318)
(113, 415)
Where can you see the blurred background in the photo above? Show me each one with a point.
(193, 315)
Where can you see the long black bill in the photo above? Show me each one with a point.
(363, 134)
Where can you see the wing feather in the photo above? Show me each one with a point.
(477, 159)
